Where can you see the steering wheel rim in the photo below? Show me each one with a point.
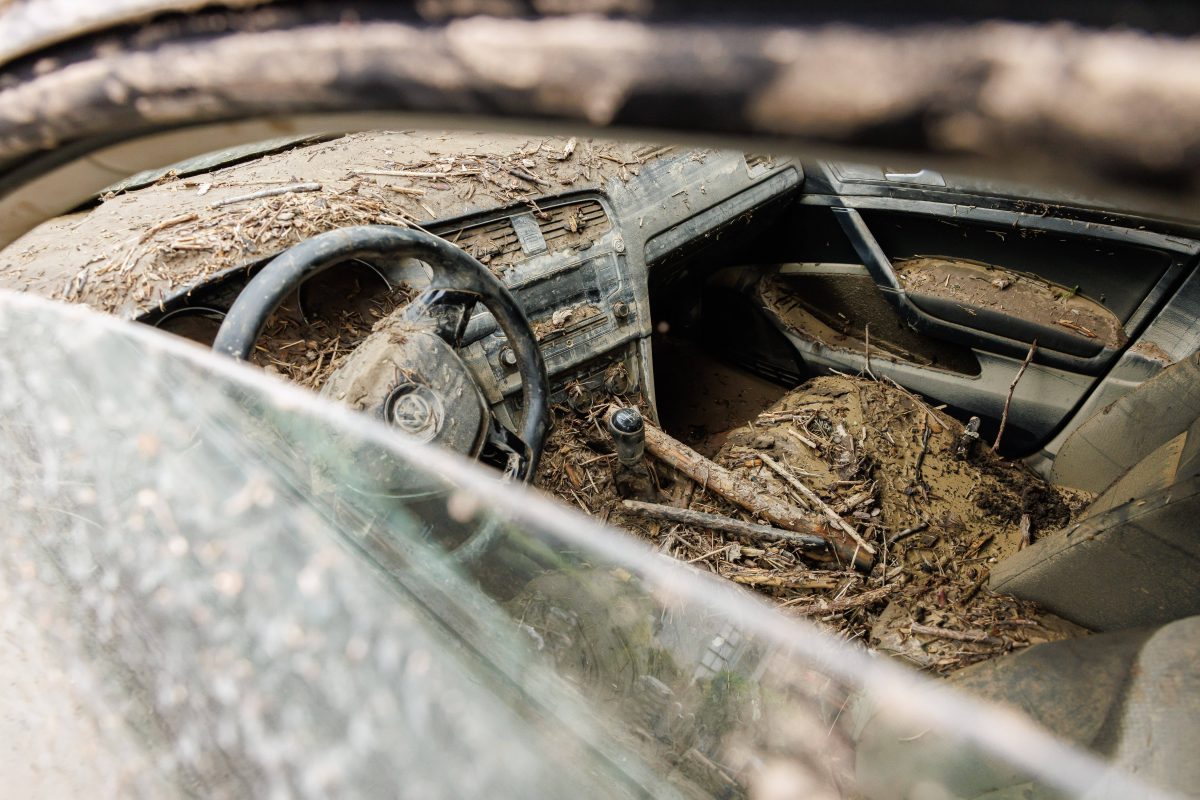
(454, 271)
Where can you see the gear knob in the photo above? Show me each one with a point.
(628, 430)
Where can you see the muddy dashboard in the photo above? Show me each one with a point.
(580, 265)
(565, 263)
(575, 230)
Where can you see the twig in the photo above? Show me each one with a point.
(924, 451)
(867, 350)
(857, 601)
(904, 534)
(272, 192)
(620, 161)
(527, 176)
(568, 149)
(918, 401)
(405, 220)
(654, 153)
(978, 637)
(854, 501)
(817, 502)
(718, 522)
(1075, 326)
(404, 190)
(776, 581)
(166, 223)
(408, 173)
(804, 440)
(713, 477)
(1012, 387)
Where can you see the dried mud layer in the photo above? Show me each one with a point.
(887, 463)
(136, 250)
(1024, 297)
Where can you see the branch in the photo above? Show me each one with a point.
(719, 522)
(1012, 387)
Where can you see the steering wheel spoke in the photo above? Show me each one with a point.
(505, 451)
(449, 310)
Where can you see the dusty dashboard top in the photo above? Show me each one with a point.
(569, 224)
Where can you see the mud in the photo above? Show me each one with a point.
(1016, 294)
(857, 443)
(136, 250)
(701, 399)
(801, 303)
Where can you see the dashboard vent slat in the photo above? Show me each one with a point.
(496, 243)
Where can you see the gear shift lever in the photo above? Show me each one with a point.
(629, 435)
(630, 474)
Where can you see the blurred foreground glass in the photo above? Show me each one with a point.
(202, 593)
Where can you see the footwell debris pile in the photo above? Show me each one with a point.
(877, 473)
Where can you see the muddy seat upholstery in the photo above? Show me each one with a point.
(1133, 559)
(1132, 697)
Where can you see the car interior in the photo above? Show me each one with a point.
(708, 288)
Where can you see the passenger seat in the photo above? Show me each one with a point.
(1131, 697)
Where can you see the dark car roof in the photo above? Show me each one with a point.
(27, 26)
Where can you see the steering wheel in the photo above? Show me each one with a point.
(408, 372)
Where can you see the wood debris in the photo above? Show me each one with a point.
(855, 445)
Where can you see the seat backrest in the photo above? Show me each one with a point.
(1113, 440)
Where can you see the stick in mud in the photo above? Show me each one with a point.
(275, 192)
(1026, 532)
(979, 637)
(719, 522)
(917, 480)
(715, 478)
(867, 351)
(1012, 387)
(821, 505)
(904, 534)
(836, 606)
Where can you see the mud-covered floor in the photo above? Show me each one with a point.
(699, 398)
(886, 462)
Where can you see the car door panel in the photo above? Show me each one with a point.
(1085, 291)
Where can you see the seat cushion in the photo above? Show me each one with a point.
(1132, 697)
